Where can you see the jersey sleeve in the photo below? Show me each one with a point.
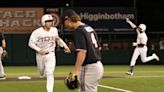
(138, 32)
(56, 31)
(32, 41)
(79, 41)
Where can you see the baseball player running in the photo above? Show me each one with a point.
(43, 41)
(140, 46)
(88, 59)
(2, 49)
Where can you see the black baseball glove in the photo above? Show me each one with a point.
(71, 82)
(4, 54)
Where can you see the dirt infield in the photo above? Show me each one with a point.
(56, 78)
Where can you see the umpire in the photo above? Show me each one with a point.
(88, 66)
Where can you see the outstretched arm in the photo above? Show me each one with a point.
(133, 26)
(130, 23)
(62, 44)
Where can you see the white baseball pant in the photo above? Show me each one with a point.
(1, 65)
(142, 51)
(90, 76)
(46, 65)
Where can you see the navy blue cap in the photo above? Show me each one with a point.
(68, 14)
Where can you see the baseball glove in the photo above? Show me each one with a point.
(4, 54)
(71, 82)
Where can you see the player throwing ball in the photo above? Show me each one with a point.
(140, 46)
(43, 41)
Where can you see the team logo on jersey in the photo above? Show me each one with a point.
(89, 29)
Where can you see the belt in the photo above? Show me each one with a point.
(90, 63)
(140, 45)
(49, 52)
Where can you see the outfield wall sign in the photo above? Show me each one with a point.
(107, 19)
(20, 20)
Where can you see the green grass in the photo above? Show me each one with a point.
(147, 78)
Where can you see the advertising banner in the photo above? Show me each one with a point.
(107, 19)
(20, 20)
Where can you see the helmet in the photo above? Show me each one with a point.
(46, 17)
(143, 27)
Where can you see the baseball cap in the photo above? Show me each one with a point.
(68, 14)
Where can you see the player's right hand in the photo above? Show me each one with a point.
(42, 52)
(134, 44)
(127, 20)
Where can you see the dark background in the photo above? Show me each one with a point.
(149, 12)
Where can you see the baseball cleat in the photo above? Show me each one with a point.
(2, 77)
(41, 76)
(155, 57)
(130, 73)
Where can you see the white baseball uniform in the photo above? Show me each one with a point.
(2, 39)
(141, 50)
(2, 73)
(45, 40)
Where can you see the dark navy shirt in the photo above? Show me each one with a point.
(1, 38)
(85, 38)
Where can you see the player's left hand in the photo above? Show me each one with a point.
(4, 54)
(71, 81)
(67, 50)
